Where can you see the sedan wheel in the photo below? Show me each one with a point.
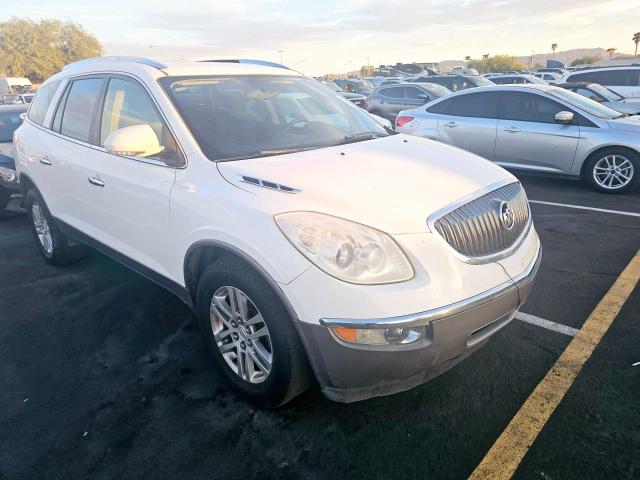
(613, 172)
(241, 334)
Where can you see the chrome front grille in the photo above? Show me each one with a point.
(480, 228)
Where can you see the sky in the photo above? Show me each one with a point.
(336, 36)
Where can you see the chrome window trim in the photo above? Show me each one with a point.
(431, 220)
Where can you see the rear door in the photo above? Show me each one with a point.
(65, 187)
(130, 195)
(469, 121)
(391, 101)
(528, 136)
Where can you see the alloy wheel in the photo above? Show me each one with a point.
(613, 172)
(241, 334)
(42, 228)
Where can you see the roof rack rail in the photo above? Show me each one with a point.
(110, 58)
(251, 61)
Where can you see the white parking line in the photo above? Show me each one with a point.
(549, 325)
(580, 207)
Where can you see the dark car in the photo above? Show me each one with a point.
(10, 198)
(456, 83)
(604, 95)
(356, 98)
(363, 87)
(387, 101)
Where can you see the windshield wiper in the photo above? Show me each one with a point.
(359, 137)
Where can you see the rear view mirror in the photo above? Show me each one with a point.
(134, 141)
(564, 117)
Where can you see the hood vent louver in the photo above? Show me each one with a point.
(258, 182)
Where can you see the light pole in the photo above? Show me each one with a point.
(281, 52)
(346, 74)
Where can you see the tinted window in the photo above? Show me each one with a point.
(9, 122)
(529, 107)
(441, 108)
(391, 92)
(244, 116)
(79, 107)
(479, 105)
(126, 104)
(40, 104)
(412, 93)
(619, 78)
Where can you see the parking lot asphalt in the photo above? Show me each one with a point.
(104, 376)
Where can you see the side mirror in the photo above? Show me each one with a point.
(23, 116)
(564, 117)
(424, 97)
(134, 141)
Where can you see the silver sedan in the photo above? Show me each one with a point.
(538, 128)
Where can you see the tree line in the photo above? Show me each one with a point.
(37, 50)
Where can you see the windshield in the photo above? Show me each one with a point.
(586, 104)
(605, 93)
(248, 116)
(480, 81)
(9, 122)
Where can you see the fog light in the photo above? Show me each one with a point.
(8, 175)
(380, 336)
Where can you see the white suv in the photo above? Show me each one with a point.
(309, 240)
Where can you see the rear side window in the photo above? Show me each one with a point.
(391, 92)
(529, 107)
(126, 104)
(476, 105)
(79, 107)
(40, 104)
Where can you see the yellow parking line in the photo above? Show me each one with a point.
(509, 449)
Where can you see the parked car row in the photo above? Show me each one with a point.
(10, 198)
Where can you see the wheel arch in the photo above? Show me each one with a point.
(202, 253)
(599, 150)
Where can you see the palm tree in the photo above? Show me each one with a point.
(554, 46)
(611, 51)
(485, 56)
(468, 57)
(636, 40)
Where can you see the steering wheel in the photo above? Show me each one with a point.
(294, 122)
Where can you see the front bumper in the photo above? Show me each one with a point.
(348, 372)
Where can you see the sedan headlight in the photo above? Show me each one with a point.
(8, 175)
(349, 251)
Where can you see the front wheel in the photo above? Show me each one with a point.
(614, 170)
(250, 333)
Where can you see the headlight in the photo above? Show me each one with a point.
(346, 250)
(8, 175)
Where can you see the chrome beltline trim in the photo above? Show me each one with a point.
(422, 318)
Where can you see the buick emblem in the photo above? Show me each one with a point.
(507, 218)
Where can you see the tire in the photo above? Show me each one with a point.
(289, 374)
(51, 242)
(608, 166)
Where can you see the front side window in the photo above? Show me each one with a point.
(126, 104)
(529, 107)
(40, 105)
(245, 116)
(75, 120)
(413, 93)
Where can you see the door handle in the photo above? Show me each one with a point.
(512, 129)
(451, 124)
(45, 161)
(96, 181)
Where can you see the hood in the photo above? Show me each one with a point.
(626, 124)
(632, 108)
(392, 183)
(353, 96)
